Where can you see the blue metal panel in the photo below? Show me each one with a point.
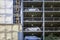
(14, 2)
(21, 14)
(14, 20)
(43, 21)
(20, 36)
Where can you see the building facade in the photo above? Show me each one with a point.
(37, 18)
(10, 26)
(44, 14)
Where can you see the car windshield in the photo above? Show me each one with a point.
(32, 39)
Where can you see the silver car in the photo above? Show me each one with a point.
(32, 9)
(33, 29)
(33, 0)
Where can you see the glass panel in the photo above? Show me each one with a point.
(2, 36)
(9, 4)
(8, 36)
(9, 11)
(15, 28)
(8, 28)
(2, 18)
(6, 7)
(9, 19)
(2, 4)
(2, 11)
(2, 28)
(15, 36)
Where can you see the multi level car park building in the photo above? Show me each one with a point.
(44, 14)
(37, 18)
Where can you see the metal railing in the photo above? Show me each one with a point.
(40, 9)
(33, 18)
(52, 18)
(46, 28)
(52, 9)
(52, 28)
(32, 0)
(40, 19)
(52, 0)
(32, 9)
(41, 0)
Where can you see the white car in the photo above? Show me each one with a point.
(33, 29)
(32, 9)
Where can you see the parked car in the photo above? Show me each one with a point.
(32, 38)
(32, 9)
(33, 29)
(32, 0)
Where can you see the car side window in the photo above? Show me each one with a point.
(26, 39)
(38, 39)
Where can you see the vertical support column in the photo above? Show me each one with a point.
(43, 22)
(22, 12)
(21, 32)
(13, 12)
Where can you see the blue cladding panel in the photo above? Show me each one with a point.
(20, 36)
(14, 2)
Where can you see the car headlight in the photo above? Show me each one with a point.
(26, 29)
(37, 29)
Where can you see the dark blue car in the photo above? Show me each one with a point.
(32, 38)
